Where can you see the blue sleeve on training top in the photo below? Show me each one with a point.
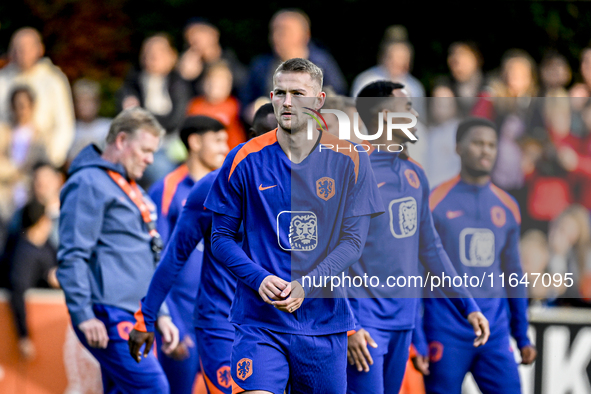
(516, 296)
(226, 249)
(189, 230)
(162, 225)
(419, 340)
(347, 252)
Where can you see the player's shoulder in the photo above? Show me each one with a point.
(247, 149)
(439, 193)
(156, 188)
(345, 150)
(507, 200)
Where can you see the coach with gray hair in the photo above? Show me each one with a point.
(109, 248)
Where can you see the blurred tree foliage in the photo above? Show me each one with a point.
(100, 39)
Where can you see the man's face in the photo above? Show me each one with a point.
(23, 108)
(201, 37)
(213, 148)
(159, 58)
(137, 152)
(400, 102)
(478, 150)
(462, 63)
(288, 35)
(27, 50)
(292, 91)
(397, 60)
(46, 184)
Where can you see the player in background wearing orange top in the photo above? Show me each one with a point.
(206, 141)
(479, 225)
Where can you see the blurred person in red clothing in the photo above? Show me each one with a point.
(217, 102)
(574, 155)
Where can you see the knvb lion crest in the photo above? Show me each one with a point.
(244, 368)
(297, 230)
(498, 216)
(412, 178)
(477, 247)
(303, 232)
(403, 217)
(225, 377)
(325, 188)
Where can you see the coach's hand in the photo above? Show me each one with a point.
(170, 334)
(136, 340)
(421, 364)
(95, 332)
(295, 297)
(481, 328)
(357, 352)
(528, 354)
(271, 288)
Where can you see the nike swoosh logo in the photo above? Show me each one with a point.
(261, 188)
(454, 214)
(381, 184)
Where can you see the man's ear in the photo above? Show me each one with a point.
(319, 101)
(121, 139)
(195, 142)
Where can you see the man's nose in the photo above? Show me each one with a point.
(287, 101)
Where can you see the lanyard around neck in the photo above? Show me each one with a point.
(133, 192)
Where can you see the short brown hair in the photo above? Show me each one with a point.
(131, 120)
(299, 65)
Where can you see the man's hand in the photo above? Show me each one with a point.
(182, 350)
(136, 340)
(295, 297)
(421, 364)
(528, 354)
(170, 334)
(357, 352)
(95, 333)
(481, 328)
(271, 288)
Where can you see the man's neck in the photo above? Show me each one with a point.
(111, 154)
(480, 180)
(296, 145)
(197, 169)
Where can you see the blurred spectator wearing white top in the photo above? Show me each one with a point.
(395, 63)
(443, 162)
(90, 129)
(21, 148)
(54, 112)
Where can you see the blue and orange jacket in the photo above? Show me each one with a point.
(104, 255)
(479, 227)
(294, 217)
(399, 244)
(170, 194)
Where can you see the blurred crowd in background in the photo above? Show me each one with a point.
(543, 116)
